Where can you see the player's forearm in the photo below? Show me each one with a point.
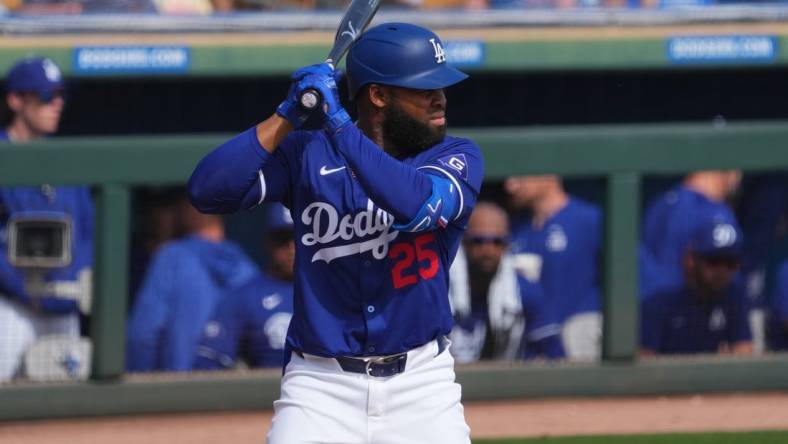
(398, 188)
(228, 178)
(272, 131)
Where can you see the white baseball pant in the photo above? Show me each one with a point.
(321, 403)
(582, 336)
(21, 326)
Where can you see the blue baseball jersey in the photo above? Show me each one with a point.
(677, 322)
(778, 320)
(668, 225)
(569, 244)
(251, 323)
(74, 204)
(362, 287)
(184, 282)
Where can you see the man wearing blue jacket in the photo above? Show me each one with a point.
(182, 286)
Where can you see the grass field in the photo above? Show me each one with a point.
(683, 438)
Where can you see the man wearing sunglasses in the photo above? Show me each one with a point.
(251, 322)
(708, 314)
(46, 239)
(491, 304)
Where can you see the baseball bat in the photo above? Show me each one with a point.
(356, 19)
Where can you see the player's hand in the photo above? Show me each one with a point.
(320, 68)
(324, 79)
(290, 108)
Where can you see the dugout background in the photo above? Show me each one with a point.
(523, 90)
(182, 104)
(227, 104)
(145, 105)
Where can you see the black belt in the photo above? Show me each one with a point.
(381, 367)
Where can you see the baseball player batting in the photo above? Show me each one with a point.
(379, 209)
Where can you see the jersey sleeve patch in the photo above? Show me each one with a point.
(456, 162)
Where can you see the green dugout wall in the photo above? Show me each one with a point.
(623, 155)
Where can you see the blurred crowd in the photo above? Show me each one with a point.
(207, 7)
(526, 283)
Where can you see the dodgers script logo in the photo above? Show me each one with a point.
(328, 227)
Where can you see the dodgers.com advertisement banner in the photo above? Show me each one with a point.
(464, 53)
(689, 50)
(131, 59)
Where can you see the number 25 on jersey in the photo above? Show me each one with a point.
(405, 254)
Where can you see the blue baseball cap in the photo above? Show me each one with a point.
(34, 74)
(277, 217)
(717, 235)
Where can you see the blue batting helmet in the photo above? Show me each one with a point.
(399, 54)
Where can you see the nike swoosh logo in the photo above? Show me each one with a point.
(325, 171)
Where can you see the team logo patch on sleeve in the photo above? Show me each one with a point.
(456, 162)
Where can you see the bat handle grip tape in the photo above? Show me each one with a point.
(310, 99)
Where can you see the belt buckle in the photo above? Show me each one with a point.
(381, 360)
(369, 362)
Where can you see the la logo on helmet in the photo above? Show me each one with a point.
(440, 54)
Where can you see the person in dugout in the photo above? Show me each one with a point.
(492, 304)
(708, 313)
(46, 244)
(184, 282)
(250, 324)
(557, 242)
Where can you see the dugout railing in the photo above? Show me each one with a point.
(622, 154)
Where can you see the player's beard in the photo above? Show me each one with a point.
(408, 134)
